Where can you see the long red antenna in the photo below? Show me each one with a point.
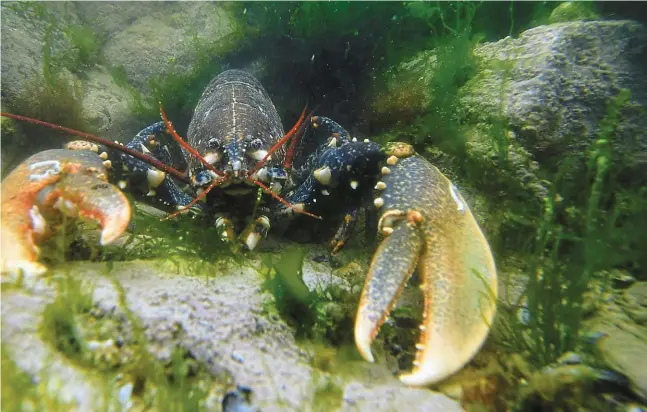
(280, 199)
(194, 201)
(281, 142)
(287, 163)
(144, 158)
(185, 145)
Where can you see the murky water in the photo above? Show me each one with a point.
(532, 113)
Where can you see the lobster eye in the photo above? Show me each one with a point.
(256, 144)
(213, 143)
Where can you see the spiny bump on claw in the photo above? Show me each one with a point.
(82, 145)
(155, 178)
(399, 149)
(323, 175)
(380, 185)
(378, 202)
(392, 160)
(107, 164)
(385, 171)
(354, 184)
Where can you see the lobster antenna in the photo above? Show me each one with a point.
(280, 199)
(185, 145)
(281, 142)
(287, 163)
(194, 201)
(144, 158)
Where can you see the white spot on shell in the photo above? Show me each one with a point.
(460, 206)
(323, 175)
(53, 168)
(259, 155)
(155, 177)
(212, 157)
(38, 223)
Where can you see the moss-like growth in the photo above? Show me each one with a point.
(61, 317)
(573, 11)
(84, 49)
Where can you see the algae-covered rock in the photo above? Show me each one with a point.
(107, 55)
(623, 344)
(552, 87)
(573, 11)
(164, 39)
(213, 326)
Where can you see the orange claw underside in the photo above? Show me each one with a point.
(51, 183)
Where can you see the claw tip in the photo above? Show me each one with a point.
(363, 340)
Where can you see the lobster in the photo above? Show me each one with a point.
(237, 154)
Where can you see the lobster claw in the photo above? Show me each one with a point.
(43, 187)
(429, 227)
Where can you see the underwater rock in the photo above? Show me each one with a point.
(23, 31)
(553, 84)
(573, 11)
(216, 314)
(155, 44)
(133, 42)
(361, 397)
(623, 342)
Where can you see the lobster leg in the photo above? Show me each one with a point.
(429, 227)
(140, 177)
(51, 183)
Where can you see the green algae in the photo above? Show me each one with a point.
(20, 392)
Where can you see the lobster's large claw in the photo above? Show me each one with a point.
(429, 227)
(50, 183)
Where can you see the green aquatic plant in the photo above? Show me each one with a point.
(572, 242)
(83, 51)
(324, 314)
(60, 324)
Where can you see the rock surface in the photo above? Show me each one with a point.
(623, 324)
(141, 41)
(554, 84)
(223, 319)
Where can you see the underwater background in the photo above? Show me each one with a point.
(534, 110)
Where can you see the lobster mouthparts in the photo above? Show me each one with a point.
(429, 226)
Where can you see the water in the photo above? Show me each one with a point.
(534, 110)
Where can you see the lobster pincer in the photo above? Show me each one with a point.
(46, 186)
(428, 226)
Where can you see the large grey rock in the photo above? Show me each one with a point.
(219, 314)
(553, 85)
(623, 322)
(144, 40)
(156, 44)
(390, 397)
(23, 31)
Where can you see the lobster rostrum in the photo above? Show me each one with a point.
(237, 153)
